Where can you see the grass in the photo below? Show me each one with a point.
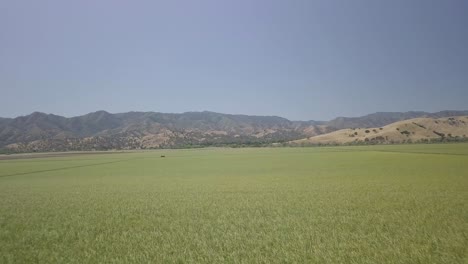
(368, 204)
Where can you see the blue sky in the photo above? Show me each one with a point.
(298, 59)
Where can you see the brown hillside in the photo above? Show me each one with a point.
(414, 130)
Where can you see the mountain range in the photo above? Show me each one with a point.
(145, 130)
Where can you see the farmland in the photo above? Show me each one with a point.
(366, 204)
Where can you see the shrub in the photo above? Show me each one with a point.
(406, 132)
(419, 125)
(442, 135)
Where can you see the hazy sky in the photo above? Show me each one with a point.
(297, 59)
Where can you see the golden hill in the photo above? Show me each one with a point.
(412, 130)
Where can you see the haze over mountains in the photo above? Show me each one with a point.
(143, 130)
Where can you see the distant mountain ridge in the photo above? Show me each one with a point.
(141, 130)
(384, 118)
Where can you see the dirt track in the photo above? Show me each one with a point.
(52, 155)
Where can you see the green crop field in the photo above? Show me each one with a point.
(368, 204)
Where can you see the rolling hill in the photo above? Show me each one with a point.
(412, 130)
